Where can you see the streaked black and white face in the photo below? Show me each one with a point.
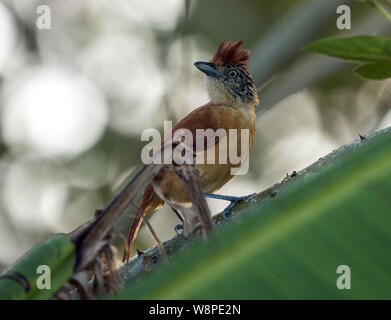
(229, 83)
(239, 83)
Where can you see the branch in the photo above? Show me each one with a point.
(144, 262)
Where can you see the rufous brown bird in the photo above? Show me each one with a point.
(233, 98)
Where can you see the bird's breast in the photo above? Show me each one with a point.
(215, 163)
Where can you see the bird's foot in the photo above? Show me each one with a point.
(178, 227)
(186, 227)
(228, 209)
(180, 217)
(232, 199)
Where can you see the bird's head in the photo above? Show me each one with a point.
(228, 79)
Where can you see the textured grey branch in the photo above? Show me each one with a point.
(144, 262)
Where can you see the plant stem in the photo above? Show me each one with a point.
(382, 10)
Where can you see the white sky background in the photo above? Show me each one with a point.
(98, 69)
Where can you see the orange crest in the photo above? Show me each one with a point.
(230, 53)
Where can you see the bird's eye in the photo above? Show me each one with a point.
(232, 74)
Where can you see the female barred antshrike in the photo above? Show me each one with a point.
(233, 98)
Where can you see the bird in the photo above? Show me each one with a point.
(233, 98)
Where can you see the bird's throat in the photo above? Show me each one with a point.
(220, 96)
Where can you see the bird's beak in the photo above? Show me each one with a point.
(208, 68)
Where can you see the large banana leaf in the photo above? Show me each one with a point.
(291, 247)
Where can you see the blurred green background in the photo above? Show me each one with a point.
(74, 99)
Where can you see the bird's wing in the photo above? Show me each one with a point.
(201, 118)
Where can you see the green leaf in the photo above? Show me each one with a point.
(291, 247)
(58, 253)
(357, 48)
(374, 71)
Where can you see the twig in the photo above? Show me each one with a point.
(382, 10)
(157, 240)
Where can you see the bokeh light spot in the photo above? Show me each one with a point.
(54, 113)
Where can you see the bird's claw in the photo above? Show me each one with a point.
(228, 209)
(234, 201)
(178, 227)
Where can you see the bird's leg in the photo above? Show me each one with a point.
(180, 217)
(176, 208)
(187, 225)
(234, 200)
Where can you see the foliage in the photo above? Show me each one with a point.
(290, 248)
(372, 53)
(58, 253)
